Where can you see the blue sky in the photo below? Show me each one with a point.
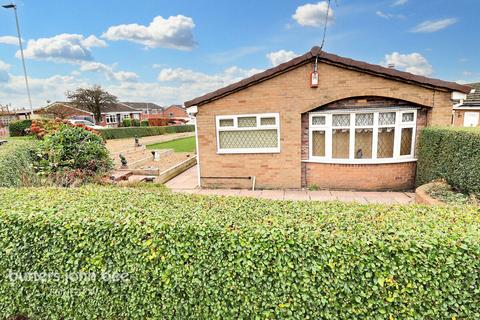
(170, 51)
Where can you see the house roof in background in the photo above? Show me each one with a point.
(143, 105)
(334, 60)
(175, 106)
(116, 107)
(473, 98)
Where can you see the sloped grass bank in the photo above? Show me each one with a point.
(157, 255)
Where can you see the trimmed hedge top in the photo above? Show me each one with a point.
(130, 132)
(193, 257)
(452, 154)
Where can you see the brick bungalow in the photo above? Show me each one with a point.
(467, 111)
(112, 115)
(354, 128)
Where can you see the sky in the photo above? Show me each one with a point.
(168, 52)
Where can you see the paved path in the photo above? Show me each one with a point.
(187, 182)
(118, 145)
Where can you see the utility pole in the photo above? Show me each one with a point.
(14, 7)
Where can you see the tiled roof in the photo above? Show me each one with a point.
(143, 105)
(116, 107)
(473, 98)
(334, 60)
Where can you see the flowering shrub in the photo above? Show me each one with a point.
(42, 128)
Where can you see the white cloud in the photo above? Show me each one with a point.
(4, 76)
(109, 72)
(9, 40)
(281, 56)
(174, 86)
(414, 63)
(72, 48)
(207, 81)
(434, 25)
(313, 15)
(174, 32)
(385, 15)
(399, 3)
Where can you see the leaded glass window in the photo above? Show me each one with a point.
(386, 118)
(318, 143)
(248, 134)
(341, 120)
(362, 136)
(245, 122)
(364, 119)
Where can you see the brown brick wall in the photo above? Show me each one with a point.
(394, 176)
(290, 95)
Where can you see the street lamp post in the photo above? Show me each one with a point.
(14, 7)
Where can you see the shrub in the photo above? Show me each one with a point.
(144, 123)
(119, 133)
(72, 154)
(127, 122)
(158, 122)
(17, 164)
(135, 123)
(19, 128)
(193, 257)
(452, 154)
(44, 127)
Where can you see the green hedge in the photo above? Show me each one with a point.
(452, 154)
(17, 128)
(118, 133)
(193, 257)
(17, 159)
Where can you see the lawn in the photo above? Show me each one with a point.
(179, 145)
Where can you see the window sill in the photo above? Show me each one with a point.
(248, 151)
(366, 161)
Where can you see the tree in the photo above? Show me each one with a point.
(92, 99)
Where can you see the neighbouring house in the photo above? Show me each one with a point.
(467, 110)
(112, 115)
(350, 125)
(177, 112)
(8, 115)
(148, 108)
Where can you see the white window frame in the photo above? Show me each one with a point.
(328, 129)
(258, 127)
(110, 118)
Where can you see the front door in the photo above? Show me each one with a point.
(471, 119)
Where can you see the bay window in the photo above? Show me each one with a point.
(362, 136)
(256, 133)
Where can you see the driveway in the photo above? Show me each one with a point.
(187, 182)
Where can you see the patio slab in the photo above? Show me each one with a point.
(187, 182)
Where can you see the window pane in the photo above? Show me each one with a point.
(341, 144)
(318, 120)
(341, 120)
(386, 138)
(318, 143)
(406, 142)
(267, 121)
(248, 139)
(386, 118)
(226, 123)
(364, 119)
(407, 117)
(363, 143)
(244, 122)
